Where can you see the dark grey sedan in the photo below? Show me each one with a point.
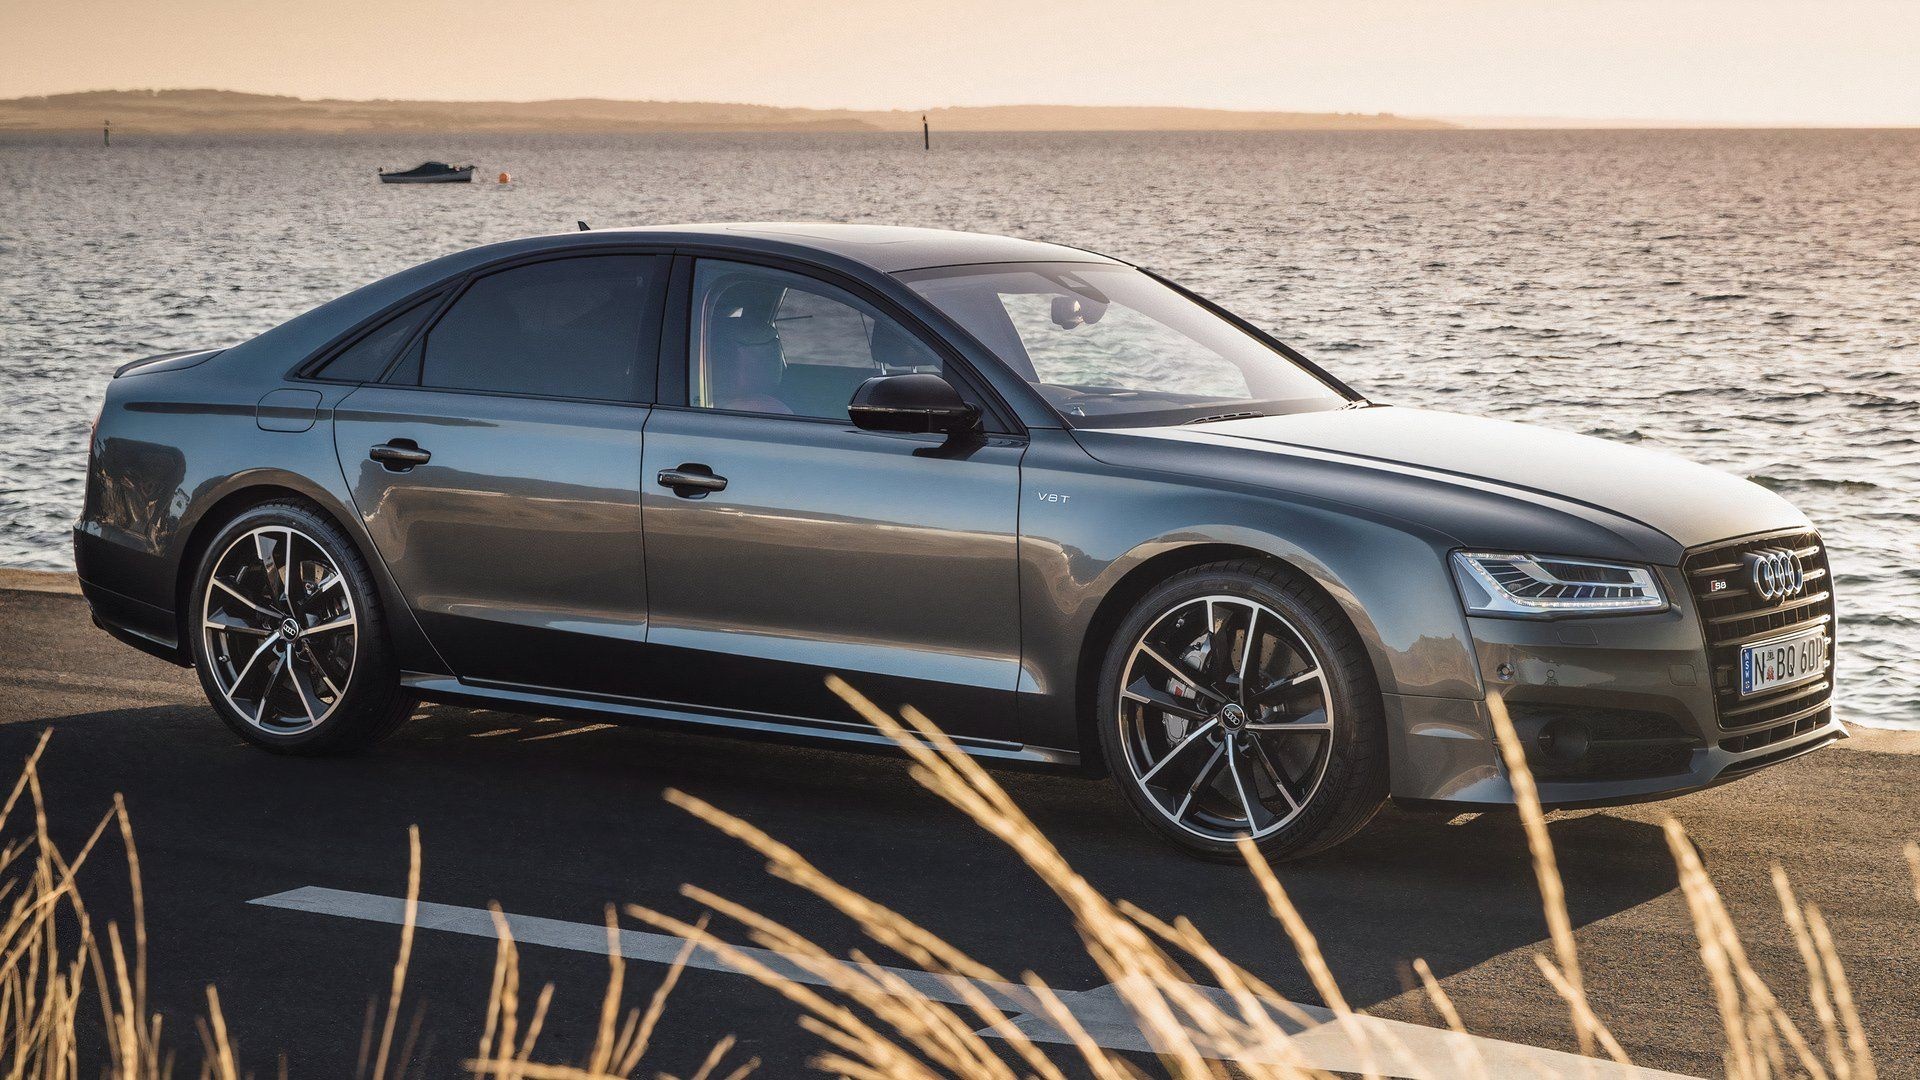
(1080, 516)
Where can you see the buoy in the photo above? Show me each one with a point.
(505, 178)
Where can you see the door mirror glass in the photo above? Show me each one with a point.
(921, 402)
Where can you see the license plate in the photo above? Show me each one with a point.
(1769, 665)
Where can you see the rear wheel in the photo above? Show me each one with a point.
(288, 638)
(1236, 701)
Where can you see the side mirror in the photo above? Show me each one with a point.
(920, 402)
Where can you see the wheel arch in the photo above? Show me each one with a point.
(1135, 584)
(243, 492)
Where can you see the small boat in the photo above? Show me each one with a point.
(431, 172)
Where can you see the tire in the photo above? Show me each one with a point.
(300, 663)
(1293, 753)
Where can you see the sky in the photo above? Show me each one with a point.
(1846, 62)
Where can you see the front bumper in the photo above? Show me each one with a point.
(1611, 710)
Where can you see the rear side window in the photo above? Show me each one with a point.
(364, 360)
(583, 328)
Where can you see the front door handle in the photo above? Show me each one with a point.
(692, 481)
(399, 455)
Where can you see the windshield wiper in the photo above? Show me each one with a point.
(1225, 416)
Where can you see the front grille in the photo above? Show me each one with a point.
(1754, 764)
(1767, 736)
(1734, 615)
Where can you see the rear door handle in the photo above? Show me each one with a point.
(399, 455)
(692, 481)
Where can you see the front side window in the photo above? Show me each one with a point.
(773, 342)
(1111, 346)
(578, 328)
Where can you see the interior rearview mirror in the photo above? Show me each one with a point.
(920, 402)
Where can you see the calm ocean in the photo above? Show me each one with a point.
(1750, 300)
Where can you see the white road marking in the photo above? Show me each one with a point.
(1399, 1049)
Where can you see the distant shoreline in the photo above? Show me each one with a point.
(226, 112)
(215, 112)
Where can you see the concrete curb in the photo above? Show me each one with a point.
(45, 581)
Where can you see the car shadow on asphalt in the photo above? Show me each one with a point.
(558, 817)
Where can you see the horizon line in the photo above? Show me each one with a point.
(1468, 121)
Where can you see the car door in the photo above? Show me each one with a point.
(784, 544)
(497, 470)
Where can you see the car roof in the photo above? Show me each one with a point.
(886, 248)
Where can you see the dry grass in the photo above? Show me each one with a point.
(873, 1024)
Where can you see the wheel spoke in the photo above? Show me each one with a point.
(1246, 652)
(1306, 722)
(1220, 661)
(303, 689)
(1201, 779)
(1222, 665)
(286, 572)
(265, 647)
(319, 667)
(266, 690)
(232, 625)
(344, 622)
(263, 551)
(1274, 774)
(1214, 650)
(272, 616)
(1144, 692)
(1179, 673)
(1247, 802)
(1176, 748)
(1266, 694)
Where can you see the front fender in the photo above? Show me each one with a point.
(1094, 534)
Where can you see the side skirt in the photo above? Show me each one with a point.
(511, 697)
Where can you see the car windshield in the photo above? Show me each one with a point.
(1110, 346)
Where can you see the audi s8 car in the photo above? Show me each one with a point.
(1078, 515)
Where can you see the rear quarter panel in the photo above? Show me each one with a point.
(173, 448)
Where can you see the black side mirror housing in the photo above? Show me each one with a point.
(921, 402)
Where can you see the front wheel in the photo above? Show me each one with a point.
(287, 635)
(1237, 701)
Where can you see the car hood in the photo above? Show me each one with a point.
(1688, 503)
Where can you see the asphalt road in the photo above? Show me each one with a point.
(554, 819)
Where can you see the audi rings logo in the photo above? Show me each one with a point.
(1775, 574)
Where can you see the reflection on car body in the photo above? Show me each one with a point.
(1078, 515)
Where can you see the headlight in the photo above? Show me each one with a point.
(1545, 585)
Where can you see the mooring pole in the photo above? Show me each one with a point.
(926, 133)
(106, 133)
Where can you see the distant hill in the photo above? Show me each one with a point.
(178, 112)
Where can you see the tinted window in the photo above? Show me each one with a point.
(768, 341)
(365, 359)
(566, 328)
